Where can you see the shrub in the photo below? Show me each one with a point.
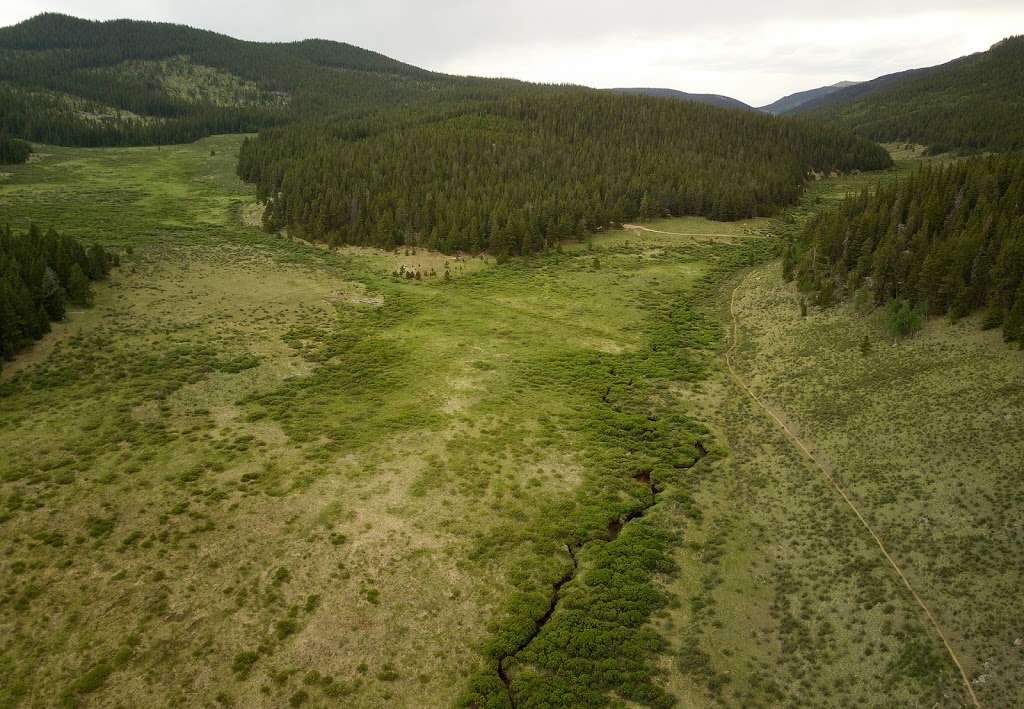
(243, 663)
(903, 319)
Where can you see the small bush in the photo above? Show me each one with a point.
(243, 663)
(903, 319)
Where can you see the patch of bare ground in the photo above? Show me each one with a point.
(252, 214)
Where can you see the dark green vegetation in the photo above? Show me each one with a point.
(710, 99)
(459, 163)
(514, 175)
(585, 636)
(68, 81)
(12, 150)
(38, 273)
(948, 239)
(972, 103)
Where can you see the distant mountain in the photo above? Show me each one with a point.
(711, 99)
(972, 103)
(854, 91)
(794, 101)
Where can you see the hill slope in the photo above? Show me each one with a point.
(69, 81)
(791, 102)
(972, 103)
(515, 174)
(710, 99)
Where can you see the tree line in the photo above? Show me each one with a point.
(513, 174)
(946, 240)
(39, 274)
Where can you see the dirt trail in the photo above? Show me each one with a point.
(714, 237)
(826, 469)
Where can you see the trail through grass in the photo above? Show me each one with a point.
(826, 470)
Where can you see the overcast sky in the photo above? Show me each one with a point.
(753, 50)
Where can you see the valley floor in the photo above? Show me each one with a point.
(260, 473)
(925, 437)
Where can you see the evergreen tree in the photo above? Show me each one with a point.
(36, 271)
(12, 150)
(79, 290)
(1013, 327)
(535, 167)
(949, 239)
(52, 295)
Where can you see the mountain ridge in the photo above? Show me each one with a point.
(792, 101)
(971, 103)
(69, 81)
(719, 100)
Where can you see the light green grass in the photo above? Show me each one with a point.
(259, 468)
(926, 435)
(246, 422)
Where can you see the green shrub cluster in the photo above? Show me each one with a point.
(582, 636)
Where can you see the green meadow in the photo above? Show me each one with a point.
(258, 472)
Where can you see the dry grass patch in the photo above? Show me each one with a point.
(926, 435)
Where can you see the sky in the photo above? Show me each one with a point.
(753, 50)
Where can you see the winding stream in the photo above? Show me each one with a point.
(615, 527)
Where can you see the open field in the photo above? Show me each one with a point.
(261, 473)
(925, 435)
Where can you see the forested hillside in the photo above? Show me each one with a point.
(38, 274)
(946, 240)
(512, 175)
(972, 103)
(76, 82)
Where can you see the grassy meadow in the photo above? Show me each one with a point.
(926, 435)
(258, 472)
(262, 473)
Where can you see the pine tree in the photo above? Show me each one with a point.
(79, 290)
(646, 207)
(788, 263)
(1013, 326)
(52, 295)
